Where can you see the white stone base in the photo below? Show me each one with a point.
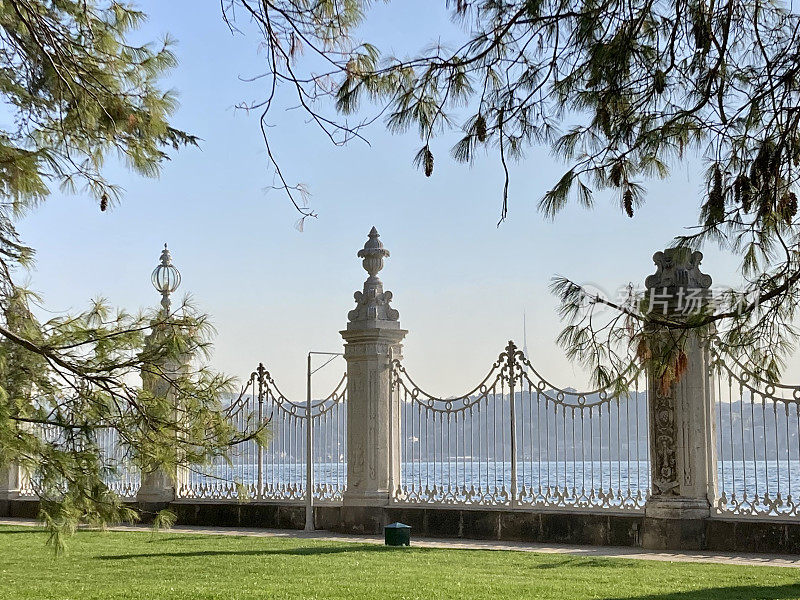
(677, 508)
(371, 498)
(156, 488)
(9, 482)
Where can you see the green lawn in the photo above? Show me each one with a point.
(141, 566)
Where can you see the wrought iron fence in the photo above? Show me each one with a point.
(517, 440)
(454, 450)
(273, 472)
(758, 441)
(123, 477)
(120, 476)
(514, 440)
(29, 483)
(278, 471)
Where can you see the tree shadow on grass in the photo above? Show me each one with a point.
(308, 551)
(742, 592)
(23, 530)
(161, 536)
(573, 561)
(565, 562)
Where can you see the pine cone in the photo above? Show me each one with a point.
(616, 174)
(480, 128)
(747, 194)
(659, 81)
(627, 202)
(717, 178)
(428, 162)
(716, 201)
(788, 207)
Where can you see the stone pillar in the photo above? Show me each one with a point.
(681, 408)
(159, 487)
(9, 487)
(373, 335)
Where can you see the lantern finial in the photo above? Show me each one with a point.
(166, 278)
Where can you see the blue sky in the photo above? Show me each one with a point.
(460, 282)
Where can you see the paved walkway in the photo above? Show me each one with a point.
(770, 560)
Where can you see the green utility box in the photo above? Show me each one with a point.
(397, 534)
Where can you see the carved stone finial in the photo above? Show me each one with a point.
(678, 280)
(166, 257)
(373, 303)
(373, 253)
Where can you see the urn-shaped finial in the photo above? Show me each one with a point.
(373, 253)
(373, 303)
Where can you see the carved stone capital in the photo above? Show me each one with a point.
(678, 286)
(678, 268)
(373, 304)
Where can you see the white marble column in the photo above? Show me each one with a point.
(160, 486)
(373, 335)
(682, 420)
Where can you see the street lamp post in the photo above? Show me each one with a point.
(310, 438)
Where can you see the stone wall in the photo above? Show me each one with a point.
(549, 527)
